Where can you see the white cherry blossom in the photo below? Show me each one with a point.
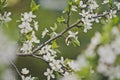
(49, 74)
(28, 78)
(5, 17)
(25, 27)
(27, 17)
(44, 32)
(25, 71)
(34, 38)
(55, 65)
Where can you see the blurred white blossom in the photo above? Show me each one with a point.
(71, 77)
(7, 49)
(8, 74)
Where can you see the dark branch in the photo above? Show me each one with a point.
(59, 35)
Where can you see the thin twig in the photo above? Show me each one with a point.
(68, 17)
(16, 69)
(59, 35)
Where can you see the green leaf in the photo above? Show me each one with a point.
(28, 37)
(75, 42)
(54, 45)
(54, 28)
(57, 74)
(3, 4)
(34, 6)
(60, 19)
(67, 60)
(111, 3)
(77, 2)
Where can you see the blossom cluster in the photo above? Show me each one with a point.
(88, 11)
(28, 28)
(56, 65)
(107, 62)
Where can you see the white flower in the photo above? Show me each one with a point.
(71, 35)
(25, 27)
(34, 38)
(74, 8)
(36, 25)
(48, 57)
(87, 24)
(44, 32)
(105, 1)
(49, 74)
(84, 13)
(5, 17)
(82, 5)
(27, 17)
(112, 13)
(92, 5)
(56, 65)
(118, 5)
(47, 49)
(25, 71)
(27, 47)
(28, 78)
(87, 20)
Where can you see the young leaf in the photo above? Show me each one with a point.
(54, 45)
(60, 19)
(54, 28)
(34, 6)
(75, 42)
(111, 3)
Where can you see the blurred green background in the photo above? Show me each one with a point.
(46, 15)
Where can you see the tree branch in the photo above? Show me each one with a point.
(68, 17)
(59, 35)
